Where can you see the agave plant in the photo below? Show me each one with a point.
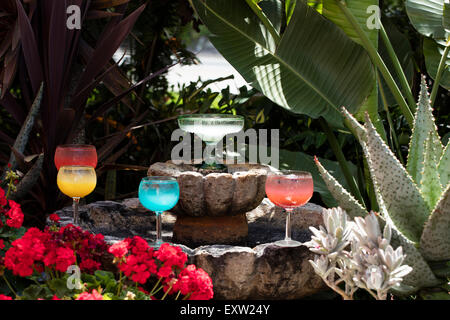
(414, 201)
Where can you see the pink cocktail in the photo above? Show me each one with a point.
(289, 190)
(75, 155)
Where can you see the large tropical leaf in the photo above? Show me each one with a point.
(314, 70)
(403, 51)
(433, 52)
(446, 16)
(427, 17)
(359, 9)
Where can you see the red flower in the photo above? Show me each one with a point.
(139, 264)
(119, 249)
(25, 252)
(171, 256)
(3, 297)
(54, 217)
(15, 215)
(65, 257)
(3, 201)
(89, 265)
(2, 245)
(164, 271)
(196, 282)
(55, 297)
(90, 296)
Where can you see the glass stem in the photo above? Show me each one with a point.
(288, 224)
(76, 218)
(158, 228)
(210, 159)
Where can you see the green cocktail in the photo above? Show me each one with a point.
(211, 128)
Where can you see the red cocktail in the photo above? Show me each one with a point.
(289, 190)
(75, 155)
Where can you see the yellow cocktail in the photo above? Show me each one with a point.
(76, 181)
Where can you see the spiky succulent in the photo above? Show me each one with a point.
(414, 201)
(371, 264)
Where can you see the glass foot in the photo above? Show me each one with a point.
(288, 243)
(155, 244)
(213, 166)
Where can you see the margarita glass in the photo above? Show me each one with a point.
(78, 178)
(211, 128)
(289, 190)
(159, 194)
(75, 155)
(76, 182)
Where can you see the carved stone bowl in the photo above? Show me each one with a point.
(204, 193)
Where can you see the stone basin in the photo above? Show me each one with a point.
(207, 193)
(253, 269)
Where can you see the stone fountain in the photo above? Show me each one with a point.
(212, 207)
(223, 222)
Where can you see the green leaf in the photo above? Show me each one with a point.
(274, 12)
(426, 16)
(444, 166)
(403, 51)
(401, 196)
(59, 287)
(433, 53)
(430, 184)
(104, 275)
(446, 16)
(424, 124)
(421, 276)
(362, 14)
(344, 198)
(314, 70)
(290, 5)
(359, 9)
(34, 292)
(435, 240)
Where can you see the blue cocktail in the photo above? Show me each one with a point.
(159, 194)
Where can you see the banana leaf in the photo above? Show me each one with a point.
(314, 70)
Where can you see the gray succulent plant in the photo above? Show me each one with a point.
(414, 201)
(371, 264)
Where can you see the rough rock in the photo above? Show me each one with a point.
(264, 272)
(254, 269)
(206, 193)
